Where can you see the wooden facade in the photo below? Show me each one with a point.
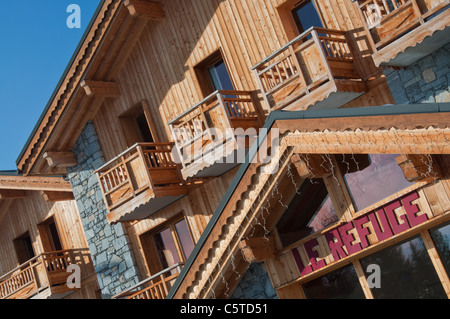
(40, 237)
(143, 77)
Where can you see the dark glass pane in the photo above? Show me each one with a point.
(342, 283)
(309, 211)
(441, 239)
(306, 16)
(220, 77)
(144, 129)
(382, 178)
(55, 236)
(28, 247)
(165, 246)
(406, 272)
(185, 237)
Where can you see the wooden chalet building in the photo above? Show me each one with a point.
(40, 236)
(166, 106)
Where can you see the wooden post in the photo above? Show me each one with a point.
(322, 54)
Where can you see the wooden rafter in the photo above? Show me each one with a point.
(60, 159)
(52, 196)
(143, 8)
(101, 89)
(11, 193)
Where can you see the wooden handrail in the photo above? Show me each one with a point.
(298, 38)
(12, 282)
(127, 292)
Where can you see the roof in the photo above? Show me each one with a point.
(64, 75)
(279, 116)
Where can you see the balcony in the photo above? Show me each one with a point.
(209, 136)
(316, 69)
(402, 32)
(140, 181)
(154, 287)
(45, 276)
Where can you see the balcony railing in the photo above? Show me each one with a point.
(390, 20)
(212, 122)
(154, 287)
(315, 58)
(137, 175)
(48, 270)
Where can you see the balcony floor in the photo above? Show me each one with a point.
(330, 95)
(147, 203)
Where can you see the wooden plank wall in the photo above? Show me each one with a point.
(197, 207)
(25, 214)
(160, 68)
(161, 71)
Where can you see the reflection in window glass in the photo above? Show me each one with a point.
(339, 284)
(406, 272)
(441, 239)
(309, 211)
(382, 178)
(185, 237)
(165, 246)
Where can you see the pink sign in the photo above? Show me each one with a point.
(385, 224)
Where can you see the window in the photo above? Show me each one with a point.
(219, 76)
(441, 239)
(309, 211)
(24, 248)
(406, 272)
(306, 15)
(167, 246)
(50, 238)
(137, 125)
(212, 74)
(380, 179)
(342, 283)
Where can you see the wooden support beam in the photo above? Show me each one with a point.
(312, 165)
(60, 159)
(419, 167)
(258, 249)
(149, 10)
(11, 193)
(101, 89)
(51, 196)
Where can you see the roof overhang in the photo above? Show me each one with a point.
(217, 248)
(88, 80)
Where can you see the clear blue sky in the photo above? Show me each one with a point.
(36, 46)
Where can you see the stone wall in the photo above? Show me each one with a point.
(109, 245)
(426, 81)
(255, 284)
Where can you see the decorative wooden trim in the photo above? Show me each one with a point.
(56, 184)
(60, 159)
(149, 10)
(101, 89)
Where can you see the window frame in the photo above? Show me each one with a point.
(201, 71)
(151, 256)
(130, 129)
(287, 19)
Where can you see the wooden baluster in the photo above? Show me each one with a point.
(322, 54)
